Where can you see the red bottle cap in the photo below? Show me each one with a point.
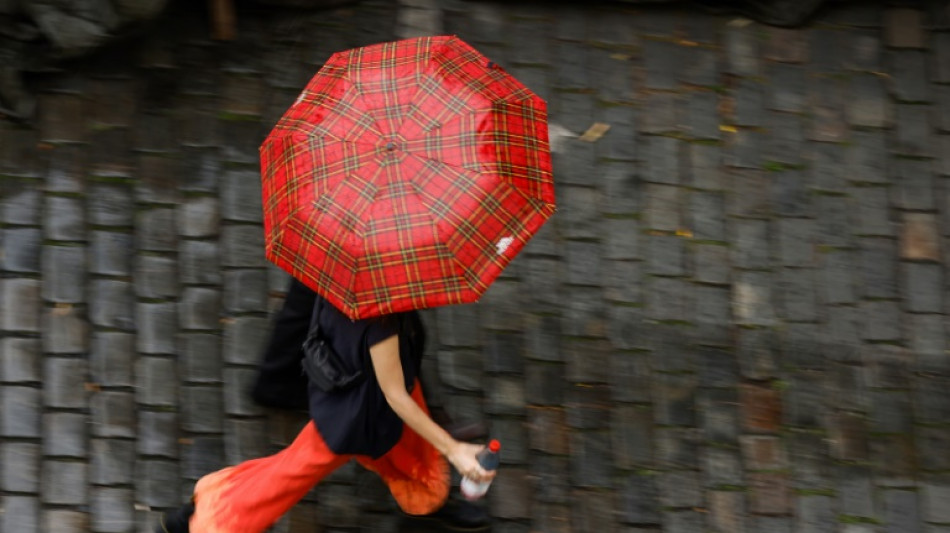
(494, 446)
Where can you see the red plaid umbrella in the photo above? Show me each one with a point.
(406, 175)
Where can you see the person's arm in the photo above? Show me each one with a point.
(388, 369)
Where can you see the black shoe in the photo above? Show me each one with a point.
(176, 521)
(456, 515)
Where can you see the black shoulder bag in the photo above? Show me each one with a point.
(322, 365)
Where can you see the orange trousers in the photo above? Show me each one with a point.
(251, 496)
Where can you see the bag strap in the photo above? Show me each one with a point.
(314, 329)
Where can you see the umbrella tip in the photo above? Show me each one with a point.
(390, 146)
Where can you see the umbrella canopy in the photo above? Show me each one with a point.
(406, 175)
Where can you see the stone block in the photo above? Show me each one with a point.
(241, 196)
(797, 297)
(878, 268)
(870, 215)
(157, 483)
(157, 325)
(570, 71)
(881, 321)
(156, 277)
(550, 483)
(760, 407)
(21, 513)
(587, 360)
(110, 253)
(727, 511)
(198, 262)
(583, 313)
(663, 207)
(919, 239)
(64, 219)
(931, 445)
(61, 118)
(61, 388)
(748, 194)
(21, 250)
(202, 408)
(156, 230)
(575, 158)
(749, 103)
(707, 216)
(757, 353)
(835, 277)
(110, 304)
(242, 246)
(680, 489)
(662, 160)
(157, 434)
(202, 454)
(20, 360)
(703, 167)
(909, 72)
(742, 48)
(201, 164)
(752, 299)
(668, 298)
(787, 89)
(914, 133)
(504, 352)
(795, 242)
(622, 190)
(65, 435)
(110, 361)
(711, 263)
(892, 460)
(632, 436)
(867, 104)
(198, 216)
(665, 255)
(158, 179)
(888, 366)
(901, 511)
(593, 511)
(931, 400)
(245, 290)
(834, 226)
(511, 494)
(21, 462)
(640, 500)
(200, 309)
(64, 483)
(21, 205)
(903, 28)
(65, 330)
(582, 261)
(921, 285)
(667, 114)
(244, 339)
(622, 238)
(769, 493)
(790, 194)
(112, 509)
(542, 382)
(702, 116)
(112, 461)
(156, 382)
(722, 467)
(113, 414)
(675, 399)
(700, 66)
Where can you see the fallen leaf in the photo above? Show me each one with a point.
(727, 128)
(594, 132)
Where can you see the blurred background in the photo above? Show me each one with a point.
(734, 323)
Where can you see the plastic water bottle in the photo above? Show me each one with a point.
(488, 458)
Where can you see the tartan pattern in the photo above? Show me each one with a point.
(406, 175)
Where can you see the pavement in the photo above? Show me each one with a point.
(736, 321)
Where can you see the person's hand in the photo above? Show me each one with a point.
(464, 457)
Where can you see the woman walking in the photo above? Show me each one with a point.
(381, 421)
